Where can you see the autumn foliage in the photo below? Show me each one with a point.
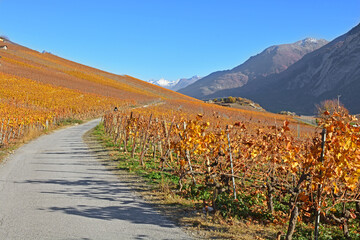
(276, 176)
(38, 90)
(26, 104)
(261, 167)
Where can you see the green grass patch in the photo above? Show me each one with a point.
(150, 172)
(69, 121)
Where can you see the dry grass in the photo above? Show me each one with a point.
(204, 225)
(31, 134)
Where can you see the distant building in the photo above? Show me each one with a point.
(4, 47)
(1, 40)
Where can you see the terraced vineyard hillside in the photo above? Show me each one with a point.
(249, 165)
(48, 68)
(40, 89)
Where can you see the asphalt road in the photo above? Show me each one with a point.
(54, 188)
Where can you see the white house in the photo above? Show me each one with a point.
(4, 47)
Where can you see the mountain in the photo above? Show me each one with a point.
(184, 82)
(175, 85)
(325, 73)
(274, 59)
(163, 83)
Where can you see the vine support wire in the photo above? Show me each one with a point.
(232, 166)
(317, 219)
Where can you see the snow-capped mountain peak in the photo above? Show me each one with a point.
(163, 82)
(174, 85)
(311, 41)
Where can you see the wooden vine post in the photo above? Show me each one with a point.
(167, 141)
(187, 157)
(318, 212)
(135, 133)
(232, 166)
(127, 132)
(145, 144)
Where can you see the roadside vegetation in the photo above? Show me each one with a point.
(249, 173)
(160, 189)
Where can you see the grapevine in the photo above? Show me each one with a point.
(279, 171)
(26, 105)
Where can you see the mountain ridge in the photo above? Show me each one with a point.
(273, 59)
(175, 85)
(325, 73)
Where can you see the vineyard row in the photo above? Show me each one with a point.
(266, 173)
(27, 106)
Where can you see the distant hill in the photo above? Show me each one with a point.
(241, 103)
(332, 70)
(175, 85)
(274, 59)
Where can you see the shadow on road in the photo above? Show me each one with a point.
(138, 215)
(123, 205)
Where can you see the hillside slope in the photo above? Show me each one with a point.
(41, 90)
(48, 68)
(323, 74)
(274, 59)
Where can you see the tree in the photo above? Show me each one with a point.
(330, 106)
(230, 100)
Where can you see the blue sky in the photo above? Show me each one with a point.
(171, 39)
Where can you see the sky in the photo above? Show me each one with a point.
(171, 39)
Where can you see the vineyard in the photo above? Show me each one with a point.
(27, 105)
(261, 167)
(40, 91)
(47, 68)
(262, 172)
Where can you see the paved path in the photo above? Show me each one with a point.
(54, 188)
